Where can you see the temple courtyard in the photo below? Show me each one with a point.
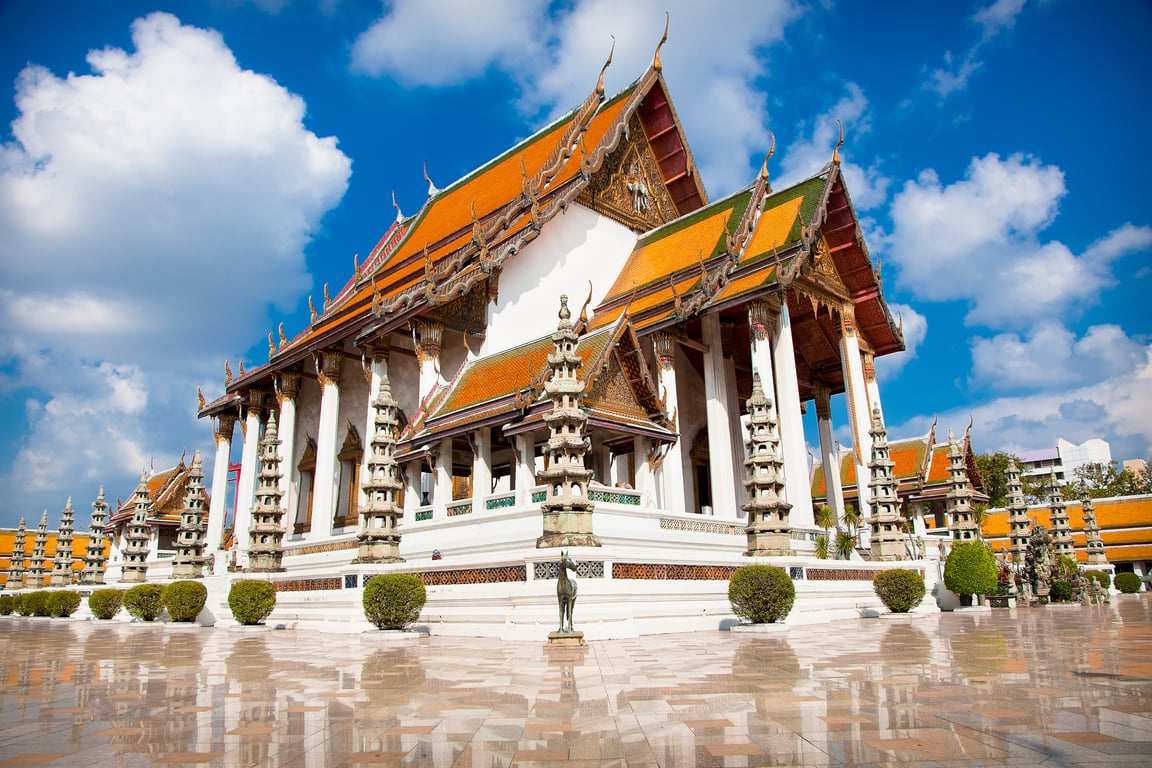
(1062, 686)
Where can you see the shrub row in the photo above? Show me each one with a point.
(58, 603)
(1128, 583)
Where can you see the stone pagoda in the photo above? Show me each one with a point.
(887, 537)
(136, 536)
(16, 561)
(566, 508)
(189, 560)
(62, 563)
(1094, 542)
(379, 538)
(36, 576)
(266, 531)
(1019, 526)
(961, 520)
(94, 559)
(768, 530)
(1061, 531)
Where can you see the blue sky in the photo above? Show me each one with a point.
(176, 179)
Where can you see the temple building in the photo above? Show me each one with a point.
(620, 429)
(926, 473)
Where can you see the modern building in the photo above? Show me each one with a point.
(1064, 458)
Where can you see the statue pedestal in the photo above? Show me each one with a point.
(566, 638)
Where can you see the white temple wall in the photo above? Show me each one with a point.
(404, 377)
(307, 424)
(577, 247)
(692, 418)
(453, 354)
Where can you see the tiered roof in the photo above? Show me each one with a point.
(166, 490)
(1125, 524)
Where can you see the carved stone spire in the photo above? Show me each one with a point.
(16, 561)
(37, 579)
(62, 562)
(887, 538)
(266, 531)
(1061, 531)
(1019, 526)
(379, 538)
(94, 559)
(567, 510)
(1095, 543)
(768, 530)
(961, 521)
(136, 536)
(189, 560)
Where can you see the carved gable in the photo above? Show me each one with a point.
(611, 391)
(629, 186)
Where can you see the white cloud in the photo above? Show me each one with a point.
(713, 60)
(1051, 357)
(442, 42)
(1115, 410)
(977, 240)
(954, 75)
(150, 211)
(811, 151)
(915, 327)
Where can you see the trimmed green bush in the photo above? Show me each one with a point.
(18, 605)
(900, 589)
(970, 570)
(761, 593)
(393, 600)
(252, 600)
(143, 601)
(1103, 578)
(184, 599)
(105, 603)
(63, 604)
(7, 605)
(1061, 592)
(1128, 583)
(35, 604)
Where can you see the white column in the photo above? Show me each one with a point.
(719, 435)
(869, 365)
(377, 372)
(645, 481)
(324, 494)
(481, 468)
(426, 338)
(288, 389)
(412, 472)
(442, 495)
(246, 485)
(797, 490)
(672, 470)
(735, 429)
(829, 453)
(856, 393)
(525, 468)
(217, 509)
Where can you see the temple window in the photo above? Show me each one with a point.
(351, 455)
(307, 470)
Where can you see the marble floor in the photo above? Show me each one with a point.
(1061, 686)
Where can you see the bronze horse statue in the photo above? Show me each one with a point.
(566, 591)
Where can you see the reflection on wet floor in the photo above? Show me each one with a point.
(1061, 686)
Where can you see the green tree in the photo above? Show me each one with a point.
(1105, 478)
(994, 470)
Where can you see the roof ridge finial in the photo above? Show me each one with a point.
(656, 65)
(767, 157)
(600, 82)
(399, 213)
(200, 398)
(840, 143)
(432, 188)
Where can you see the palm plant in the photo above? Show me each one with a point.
(845, 545)
(822, 547)
(826, 519)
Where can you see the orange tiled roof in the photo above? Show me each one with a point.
(8, 543)
(907, 454)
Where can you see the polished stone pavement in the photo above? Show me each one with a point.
(1061, 686)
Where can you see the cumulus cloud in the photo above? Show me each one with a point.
(915, 327)
(1115, 409)
(151, 211)
(992, 19)
(715, 56)
(978, 240)
(812, 150)
(1050, 356)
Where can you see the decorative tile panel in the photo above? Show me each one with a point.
(460, 508)
(615, 497)
(551, 570)
(501, 502)
(539, 496)
(308, 585)
(841, 574)
(335, 546)
(423, 514)
(497, 575)
(701, 526)
(672, 571)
